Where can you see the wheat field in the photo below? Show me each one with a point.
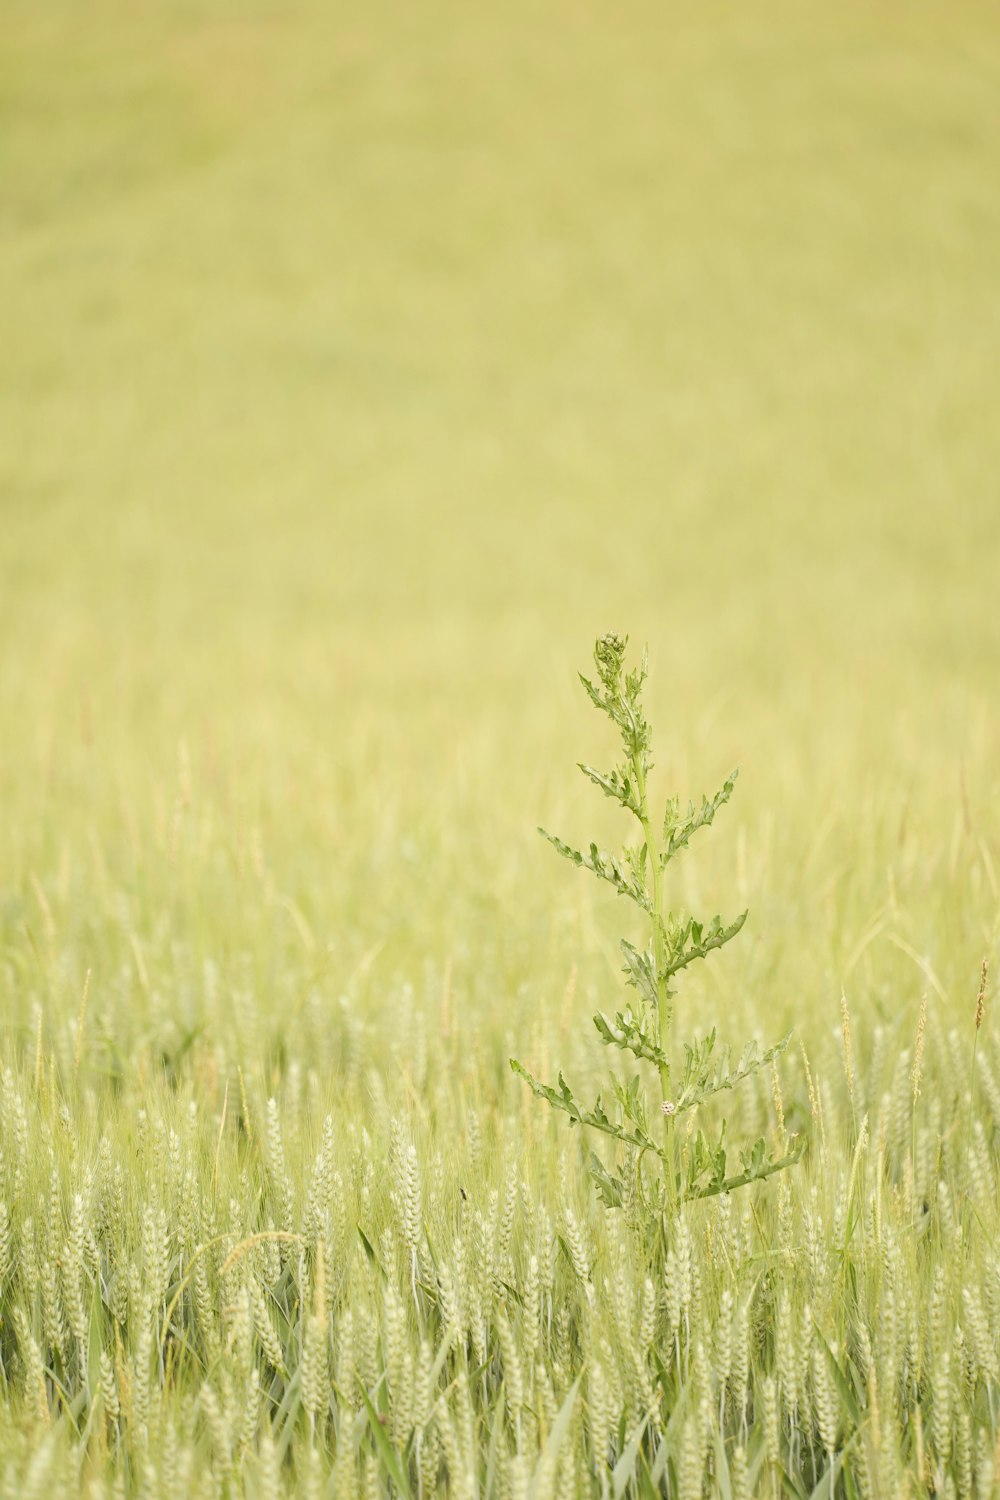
(360, 367)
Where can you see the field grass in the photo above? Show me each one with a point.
(359, 367)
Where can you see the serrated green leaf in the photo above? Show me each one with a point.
(610, 1190)
(699, 1085)
(639, 971)
(767, 1168)
(595, 1118)
(614, 784)
(573, 855)
(593, 694)
(630, 1035)
(684, 952)
(604, 865)
(678, 831)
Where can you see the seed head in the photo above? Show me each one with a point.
(609, 654)
(981, 1001)
(918, 1049)
(845, 1023)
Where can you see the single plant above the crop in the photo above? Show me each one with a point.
(675, 940)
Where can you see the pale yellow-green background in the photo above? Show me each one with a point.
(360, 364)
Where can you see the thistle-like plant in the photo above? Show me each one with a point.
(695, 1167)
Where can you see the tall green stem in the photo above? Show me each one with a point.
(659, 966)
(659, 953)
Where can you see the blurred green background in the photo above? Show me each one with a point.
(361, 364)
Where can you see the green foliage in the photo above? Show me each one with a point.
(696, 1168)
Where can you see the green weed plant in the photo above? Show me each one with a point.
(696, 1164)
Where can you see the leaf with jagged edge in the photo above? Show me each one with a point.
(632, 1102)
(703, 1158)
(610, 1190)
(575, 856)
(697, 1058)
(616, 784)
(678, 831)
(630, 1035)
(610, 868)
(636, 857)
(595, 1119)
(638, 971)
(594, 694)
(602, 864)
(705, 941)
(757, 1167)
(695, 1089)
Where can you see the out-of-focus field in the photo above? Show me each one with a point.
(357, 367)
